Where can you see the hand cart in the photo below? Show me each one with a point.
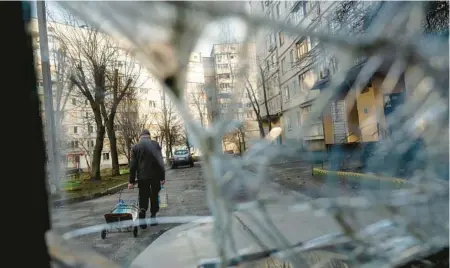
(123, 217)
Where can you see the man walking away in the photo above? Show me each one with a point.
(148, 166)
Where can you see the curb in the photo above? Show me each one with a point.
(112, 190)
(321, 172)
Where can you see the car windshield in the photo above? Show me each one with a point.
(320, 125)
(181, 152)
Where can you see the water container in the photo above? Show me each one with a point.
(162, 198)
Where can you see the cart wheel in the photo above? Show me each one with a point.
(135, 231)
(103, 234)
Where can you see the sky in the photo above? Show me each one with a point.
(213, 32)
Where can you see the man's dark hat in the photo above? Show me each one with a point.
(145, 132)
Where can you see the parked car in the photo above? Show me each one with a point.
(181, 158)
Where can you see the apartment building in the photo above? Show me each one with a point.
(296, 66)
(194, 92)
(221, 72)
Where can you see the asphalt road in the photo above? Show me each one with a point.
(186, 197)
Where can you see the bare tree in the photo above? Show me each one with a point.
(170, 127)
(103, 75)
(197, 101)
(254, 101)
(129, 124)
(263, 87)
(120, 83)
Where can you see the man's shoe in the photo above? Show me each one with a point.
(153, 221)
(142, 222)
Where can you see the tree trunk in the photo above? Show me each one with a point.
(87, 163)
(97, 155)
(261, 128)
(243, 141)
(113, 147)
(266, 105)
(128, 148)
(167, 142)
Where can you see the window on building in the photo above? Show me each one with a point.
(273, 60)
(314, 42)
(288, 123)
(74, 144)
(299, 11)
(51, 38)
(275, 84)
(91, 143)
(222, 66)
(75, 130)
(224, 86)
(289, 22)
(74, 101)
(249, 115)
(152, 104)
(224, 76)
(291, 58)
(91, 129)
(294, 87)
(305, 113)
(105, 156)
(283, 65)
(281, 37)
(301, 82)
(86, 115)
(287, 94)
(302, 48)
(278, 10)
(248, 104)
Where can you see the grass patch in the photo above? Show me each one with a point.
(124, 171)
(84, 186)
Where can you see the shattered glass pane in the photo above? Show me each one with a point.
(322, 127)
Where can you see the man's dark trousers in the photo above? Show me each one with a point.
(148, 189)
